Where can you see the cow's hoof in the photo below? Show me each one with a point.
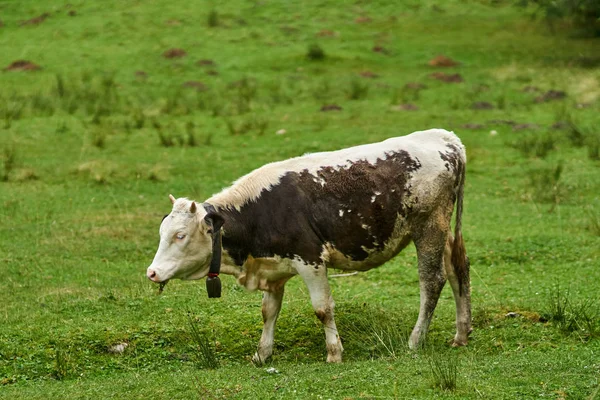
(459, 342)
(259, 360)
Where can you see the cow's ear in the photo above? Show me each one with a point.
(193, 207)
(172, 199)
(214, 221)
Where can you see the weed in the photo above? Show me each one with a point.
(165, 140)
(208, 139)
(593, 147)
(538, 145)
(444, 370)
(581, 318)
(546, 185)
(594, 222)
(315, 52)
(205, 356)
(191, 135)
(358, 90)
(61, 365)
(576, 135)
(9, 156)
(213, 18)
(99, 138)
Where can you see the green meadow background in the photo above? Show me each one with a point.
(106, 107)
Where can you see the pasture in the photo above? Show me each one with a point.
(116, 104)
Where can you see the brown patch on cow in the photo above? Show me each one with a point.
(368, 74)
(363, 192)
(326, 33)
(205, 63)
(448, 78)
(443, 61)
(331, 107)
(380, 49)
(22, 65)
(35, 21)
(404, 107)
(322, 315)
(363, 19)
(199, 86)
(174, 53)
(482, 105)
(551, 95)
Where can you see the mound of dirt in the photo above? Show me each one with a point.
(205, 63)
(448, 78)
(380, 49)
(199, 86)
(331, 107)
(482, 105)
(174, 53)
(35, 21)
(22, 65)
(443, 61)
(551, 95)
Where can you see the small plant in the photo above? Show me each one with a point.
(9, 156)
(315, 52)
(61, 366)
(191, 136)
(593, 147)
(536, 145)
(594, 222)
(99, 138)
(444, 371)
(581, 318)
(205, 356)
(547, 186)
(213, 18)
(357, 90)
(576, 135)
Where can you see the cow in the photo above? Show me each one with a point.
(352, 209)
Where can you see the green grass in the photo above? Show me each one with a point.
(92, 144)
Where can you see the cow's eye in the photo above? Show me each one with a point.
(180, 236)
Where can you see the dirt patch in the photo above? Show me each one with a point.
(471, 125)
(482, 105)
(551, 95)
(368, 74)
(363, 20)
(524, 127)
(199, 86)
(415, 86)
(212, 72)
(326, 33)
(205, 63)
(404, 107)
(22, 65)
(443, 61)
(72, 13)
(530, 89)
(448, 78)
(502, 122)
(173, 22)
(35, 21)
(141, 75)
(380, 49)
(174, 53)
(331, 107)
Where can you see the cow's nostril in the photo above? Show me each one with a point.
(151, 274)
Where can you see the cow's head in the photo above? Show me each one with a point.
(189, 236)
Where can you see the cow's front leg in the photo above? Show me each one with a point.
(315, 278)
(271, 305)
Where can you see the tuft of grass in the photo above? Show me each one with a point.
(593, 147)
(538, 145)
(444, 370)
(581, 318)
(212, 20)
(546, 185)
(61, 366)
(206, 357)
(357, 90)
(315, 52)
(8, 162)
(594, 222)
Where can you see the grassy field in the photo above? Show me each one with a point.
(116, 104)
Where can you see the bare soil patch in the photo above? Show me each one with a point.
(380, 49)
(471, 125)
(22, 65)
(326, 33)
(482, 105)
(404, 107)
(368, 74)
(551, 95)
(331, 107)
(415, 86)
(443, 61)
(205, 63)
(448, 78)
(36, 20)
(174, 53)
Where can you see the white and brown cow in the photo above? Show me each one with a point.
(352, 209)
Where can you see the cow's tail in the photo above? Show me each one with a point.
(459, 259)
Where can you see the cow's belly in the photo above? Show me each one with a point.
(266, 273)
(400, 238)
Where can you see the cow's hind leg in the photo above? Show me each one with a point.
(462, 298)
(315, 278)
(430, 242)
(271, 305)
